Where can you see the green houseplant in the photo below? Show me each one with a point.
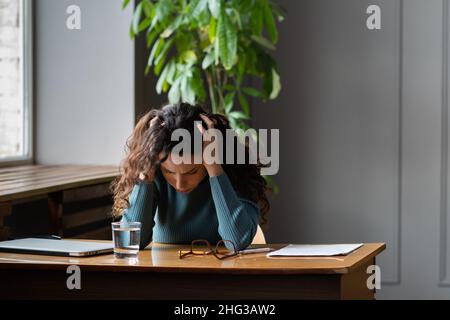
(210, 50)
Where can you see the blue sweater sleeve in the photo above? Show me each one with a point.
(143, 203)
(238, 217)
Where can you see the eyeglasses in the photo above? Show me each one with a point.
(203, 247)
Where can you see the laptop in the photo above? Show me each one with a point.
(53, 247)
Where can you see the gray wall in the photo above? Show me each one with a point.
(84, 82)
(363, 119)
(360, 118)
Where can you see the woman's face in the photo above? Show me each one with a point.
(183, 177)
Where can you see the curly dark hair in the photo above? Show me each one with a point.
(144, 146)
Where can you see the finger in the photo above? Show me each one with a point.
(208, 121)
(153, 121)
(200, 127)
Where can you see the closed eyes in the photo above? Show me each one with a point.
(192, 172)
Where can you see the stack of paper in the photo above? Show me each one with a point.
(308, 250)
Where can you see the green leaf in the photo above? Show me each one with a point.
(276, 85)
(187, 93)
(264, 64)
(196, 7)
(208, 60)
(132, 35)
(263, 42)
(196, 82)
(125, 3)
(245, 126)
(252, 92)
(189, 57)
(164, 9)
(229, 87)
(184, 69)
(228, 100)
(244, 104)
(278, 10)
(226, 41)
(242, 63)
(162, 55)
(152, 32)
(154, 22)
(172, 68)
(238, 115)
(214, 7)
(233, 123)
(237, 16)
(256, 19)
(155, 51)
(212, 29)
(174, 92)
(151, 37)
(184, 41)
(172, 27)
(162, 78)
(158, 66)
(144, 24)
(148, 8)
(216, 51)
(270, 22)
(251, 58)
(203, 18)
(137, 18)
(245, 7)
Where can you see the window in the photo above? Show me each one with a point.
(15, 81)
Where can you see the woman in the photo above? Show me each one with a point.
(178, 203)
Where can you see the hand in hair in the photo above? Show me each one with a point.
(154, 121)
(214, 169)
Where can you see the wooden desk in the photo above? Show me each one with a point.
(61, 185)
(160, 274)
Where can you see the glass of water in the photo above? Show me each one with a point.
(126, 238)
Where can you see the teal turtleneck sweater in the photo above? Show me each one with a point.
(212, 211)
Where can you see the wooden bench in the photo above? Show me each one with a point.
(76, 194)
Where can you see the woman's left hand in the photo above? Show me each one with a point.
(214, 169)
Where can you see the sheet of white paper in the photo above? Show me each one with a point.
(307, 250)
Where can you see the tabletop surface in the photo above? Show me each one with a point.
(26, 181)
(159, 257)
